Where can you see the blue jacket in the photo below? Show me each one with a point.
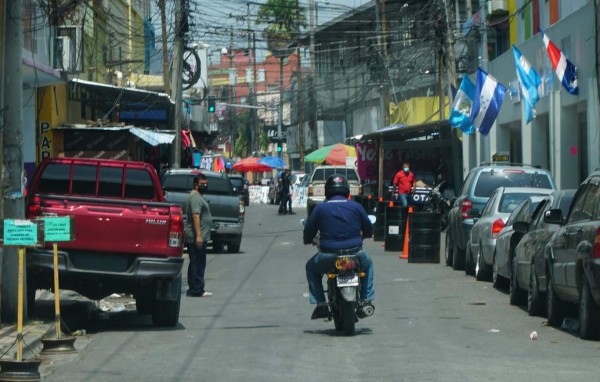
(340, 222)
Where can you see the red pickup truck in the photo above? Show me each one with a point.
(127, 238)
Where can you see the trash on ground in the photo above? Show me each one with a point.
(80, 332)
(477, 303)
(494, 331)
(533, 336)
(570, 324)
(115, 295)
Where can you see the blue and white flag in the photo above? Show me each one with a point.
(564, 69)
(461, 115)
(530, 82)
(488, 101)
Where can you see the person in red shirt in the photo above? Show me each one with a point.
(404, 183)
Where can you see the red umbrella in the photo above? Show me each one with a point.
(250, 165)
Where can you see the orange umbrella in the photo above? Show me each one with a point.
(250, 165)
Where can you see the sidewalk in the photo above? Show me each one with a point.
(74, 309)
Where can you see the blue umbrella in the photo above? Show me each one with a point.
(274, 162)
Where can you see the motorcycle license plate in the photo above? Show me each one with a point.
(347, 280)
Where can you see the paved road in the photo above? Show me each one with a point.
(431, 324)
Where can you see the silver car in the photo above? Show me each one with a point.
(489, 222)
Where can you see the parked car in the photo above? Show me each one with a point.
(241, 186)
(477, 188)
(530, 274)
(226, 208)
(128, 239)
(573, 260)
(489, 222)
(316, 185)
(506, 242)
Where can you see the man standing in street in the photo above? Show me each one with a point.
(404, 183)
(197, 234)
(285, 193)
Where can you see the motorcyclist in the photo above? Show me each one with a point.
(342, 224)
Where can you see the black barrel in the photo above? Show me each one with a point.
(424, 237)
(379, 226)
(395, 227)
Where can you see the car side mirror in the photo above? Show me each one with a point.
(553, 216)
(521, 227)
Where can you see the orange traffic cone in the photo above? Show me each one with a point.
(404, 254)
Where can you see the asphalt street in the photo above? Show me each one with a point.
(430, 324)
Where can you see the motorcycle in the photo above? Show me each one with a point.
(343, 292)
(437, 202)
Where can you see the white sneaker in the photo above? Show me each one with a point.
(206, 294)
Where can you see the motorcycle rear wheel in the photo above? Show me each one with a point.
(348, 314)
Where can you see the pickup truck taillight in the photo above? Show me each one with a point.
(497, 226)
(465, 206)
(596, 249)
(34, 207)
(310, 190)
(175, 228)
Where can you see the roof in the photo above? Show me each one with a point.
(152, 137)
(406, 132)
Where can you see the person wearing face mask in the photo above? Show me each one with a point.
(197, 234)
(404, 183)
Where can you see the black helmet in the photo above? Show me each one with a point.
(336, 184)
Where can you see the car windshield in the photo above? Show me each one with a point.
(237, 182)
(322, 174)
(488, 182)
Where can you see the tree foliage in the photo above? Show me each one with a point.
(284, 18)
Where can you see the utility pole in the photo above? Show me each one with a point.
(165, 52)
(12, 175)
(232, 83)
(300, 108)
(252, 136)
(2, 44)
(280, 114)
(483, 63)
(177, 84)
(254, 92)
(312, 121)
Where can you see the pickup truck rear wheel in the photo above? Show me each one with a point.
(234, 246)
(165, 312)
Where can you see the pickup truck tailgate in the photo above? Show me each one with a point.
(131, 227)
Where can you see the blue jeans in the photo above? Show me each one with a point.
(322, 262)
(403, 199)
(196, 268)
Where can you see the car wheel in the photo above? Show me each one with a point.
(480, 271)
(166, 313)
(589, 312)
(458, 258)
(448, 250)
(468, 259)
(515, 293)
(234, 246)
(498, 281)
(555, 309)
(534, 297)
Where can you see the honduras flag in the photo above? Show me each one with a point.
(489, 96)
(564, 69)
(461, 115)
(530, 81)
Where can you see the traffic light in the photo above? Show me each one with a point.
(211, 103)
(278, 147)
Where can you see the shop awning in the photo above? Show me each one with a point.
(153, 138)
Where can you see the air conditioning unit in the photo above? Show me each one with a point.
(67, 49)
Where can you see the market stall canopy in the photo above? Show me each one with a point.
(333, 154)
(250, 165)
(153, 138)
(273, 162)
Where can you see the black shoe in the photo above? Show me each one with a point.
(193, 293)
(321, 311)
(365, 309)
(292, 213)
